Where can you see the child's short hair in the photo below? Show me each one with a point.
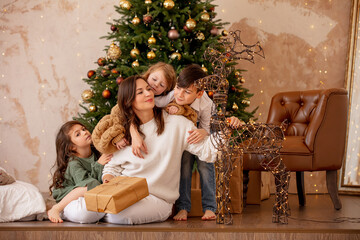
(169, 74)
(189, 75)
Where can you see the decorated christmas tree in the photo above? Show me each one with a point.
(151, 31)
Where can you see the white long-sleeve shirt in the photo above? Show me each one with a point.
(161, 166)
(203, 106)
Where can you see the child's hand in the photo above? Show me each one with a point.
(121, 144)
(107, 178)
(105, 158)
(138, 145)
(234, 122)
(196, 136)
(172, 109)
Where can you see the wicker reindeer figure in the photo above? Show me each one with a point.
(249, 139)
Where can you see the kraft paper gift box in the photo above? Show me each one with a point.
(116, 195)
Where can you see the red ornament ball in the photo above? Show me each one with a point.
(114, 71)
(119, 79)
(90, 73)
(113, 28)
(211, 94)
(147, 18)
(214, 31)
(101, 61)
(104, 72)
(106, 94)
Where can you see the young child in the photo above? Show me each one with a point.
(186, 94)
(78, 169)
(108, 135)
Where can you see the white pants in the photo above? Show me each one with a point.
(149, 209)
(76, 211)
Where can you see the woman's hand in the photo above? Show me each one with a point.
(234, 122)
(105, 158)
(121, 144)
(172, 109)
(106, 178)
(196, 136)
(138, 144)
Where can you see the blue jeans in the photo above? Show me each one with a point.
(207, 182)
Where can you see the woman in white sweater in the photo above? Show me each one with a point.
(165, 137)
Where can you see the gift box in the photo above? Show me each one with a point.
(116, 195)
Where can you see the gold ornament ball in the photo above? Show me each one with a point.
(242, 80)
(175, 55)
(237, 74)
(204, 68)
(134, 52)
(224, 33)
(125, 5)
(148, 2)
(151, 55)
(135, 64)
(200, 36)
(235, 107)
(169, 4)
(152, 40)
(87, 95)
(135, 21)
(205, 17)
(190, 24)
(92, 108)
(246, 101)
(114, 52)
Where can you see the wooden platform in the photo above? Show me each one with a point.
(315, 221)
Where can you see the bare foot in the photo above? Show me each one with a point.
(209, 215)
(181, 215)
(54, 215)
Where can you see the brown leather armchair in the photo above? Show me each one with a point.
(314, 137)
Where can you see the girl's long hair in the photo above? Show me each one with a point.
(64, 152)
(126, 96)
(169, 74)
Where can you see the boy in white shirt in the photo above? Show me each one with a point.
(186, 93)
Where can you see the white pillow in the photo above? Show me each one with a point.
(19, 200)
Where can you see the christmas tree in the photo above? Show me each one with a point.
(151, 31)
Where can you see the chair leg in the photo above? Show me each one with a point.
(300, 188)
(331, 183)
(245, 185)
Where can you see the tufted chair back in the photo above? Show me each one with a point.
(315, 133)
(320, 117)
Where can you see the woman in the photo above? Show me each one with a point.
(165, 136)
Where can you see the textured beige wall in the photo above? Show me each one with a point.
(47, 47)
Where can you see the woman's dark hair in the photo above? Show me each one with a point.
(126, 96)
(64, 151)
(189, 75)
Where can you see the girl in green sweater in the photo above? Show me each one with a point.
(78, 169)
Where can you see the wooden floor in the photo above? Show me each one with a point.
(317, 220)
